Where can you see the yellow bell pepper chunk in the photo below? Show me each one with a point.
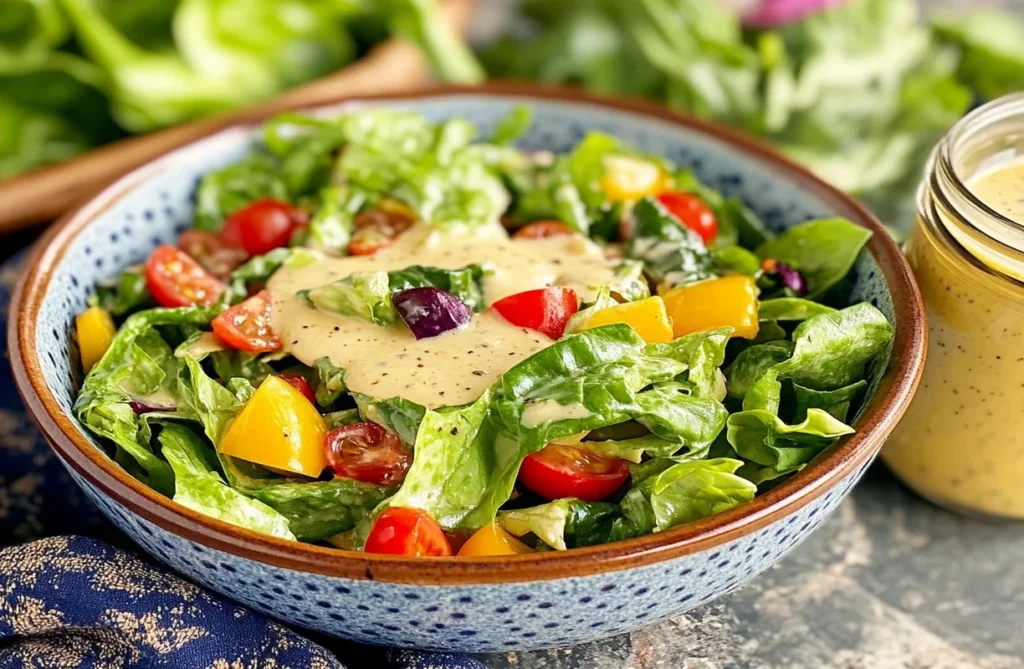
(730, 301)
(492, 540)
(279, 428)
(629, 179)
(96, 331)
(648, 317)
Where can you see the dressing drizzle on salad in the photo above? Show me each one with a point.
(453, 368)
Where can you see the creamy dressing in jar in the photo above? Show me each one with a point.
(455, 367)
(961, 444)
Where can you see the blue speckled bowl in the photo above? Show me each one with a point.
(482, 604)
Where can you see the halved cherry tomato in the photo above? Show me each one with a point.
(546, 310)
(301, 384)
(563, 470)
(691, 212)
(215, 254)
(542, 229)
(246, 326)
(176, 280)
(400, 530)
(377, 228)
(262, 226)
(367, 452)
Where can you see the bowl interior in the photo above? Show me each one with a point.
(160, 207)
(153, 205)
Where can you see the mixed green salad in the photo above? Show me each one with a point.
(385, 335)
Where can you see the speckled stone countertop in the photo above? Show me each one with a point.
(888, 582)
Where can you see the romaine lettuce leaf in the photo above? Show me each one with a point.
(367, 295)
(331, 225)
(330, 382)
(751, 364)
(364, 295)
(685, 492)
(569, 523)
(198, 486)
(823, 251)
(463, 469)
(672, 253)
(763, 438)
(835, 402)
(790, 309)
(318, 509)
(138, 366)
(398, 415)
(127, 294)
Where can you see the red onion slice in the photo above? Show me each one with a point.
(431, 311)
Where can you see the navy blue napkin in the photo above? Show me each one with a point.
(77, 601)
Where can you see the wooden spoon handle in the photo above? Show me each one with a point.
(44, 194)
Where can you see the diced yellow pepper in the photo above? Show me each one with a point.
(648, 317)
(629, 179)
(492, 540)
(730, 301)
(96, 331)
(278, 428)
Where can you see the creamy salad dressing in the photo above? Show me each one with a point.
(961, 443)
(1002, 188)
(453, 368)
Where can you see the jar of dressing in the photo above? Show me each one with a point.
(961, 444)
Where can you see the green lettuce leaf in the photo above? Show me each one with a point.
(569, 523)
(672, 254)
(128, 293)
(823, 251)
(364, 295)
(398, 415)
(790, 309)
(330, 382)
(463, 469)
(751, 364)
(834, 402)
(198, 486)
(685, 492)
(763, 438)
(138, 366)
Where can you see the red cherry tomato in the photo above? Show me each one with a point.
(367, 452)
(369, 240)
(546, 310)
(246, 326)
(692, 212)
(376, 229)
(215, 254)
(400, 530)
(561, 470)
(176, 280)
(301, 384)
(262, 226)
(542, 229)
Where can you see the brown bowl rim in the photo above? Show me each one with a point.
(879, 418)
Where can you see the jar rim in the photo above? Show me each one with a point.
(957, 137)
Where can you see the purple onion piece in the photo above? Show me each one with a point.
(139, 408)
(431, 311)
(792, 279)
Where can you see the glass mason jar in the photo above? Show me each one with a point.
(961, 444)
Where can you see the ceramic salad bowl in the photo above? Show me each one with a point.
(475, 604)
